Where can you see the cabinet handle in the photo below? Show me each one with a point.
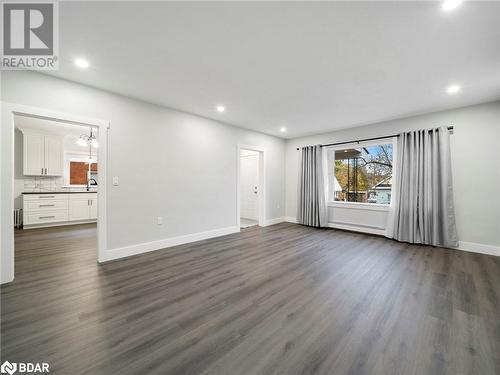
(46, 205)
(46, 217)
(42, 171)
(45, 170)
(47, 196)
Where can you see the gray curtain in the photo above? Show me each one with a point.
(424, 210)
(312, 208)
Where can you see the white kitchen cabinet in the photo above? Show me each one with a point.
(79, 208)
(53, 154)
(33, 154)
(49, 209)
(44, 209)
(44, 205)
(42, 155)
(82, 206)
(37, 218)
(93, 207)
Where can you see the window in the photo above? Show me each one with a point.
(79, 172)
(361, 174)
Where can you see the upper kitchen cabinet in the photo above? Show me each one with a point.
(42, 155)
(33, 154)
(54, 155)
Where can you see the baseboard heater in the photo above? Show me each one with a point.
(18, 218)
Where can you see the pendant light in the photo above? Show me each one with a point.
(88, 140)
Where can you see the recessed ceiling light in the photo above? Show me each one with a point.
(283, 129)
(220, 108)
(450, 5)
(81, 63)
(453, 89)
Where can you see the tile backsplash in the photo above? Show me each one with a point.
(39, 184)
(36, 184)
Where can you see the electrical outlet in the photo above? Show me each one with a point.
(160, 220)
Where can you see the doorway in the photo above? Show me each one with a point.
(41, 170)
(251, 191)
(56, 170)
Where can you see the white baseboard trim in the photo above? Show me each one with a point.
(274, 221)
(361, 229)
(58, 224)
(462, 245)
(479, 248)
(145, 247)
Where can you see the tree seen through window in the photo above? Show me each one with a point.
(363, 174)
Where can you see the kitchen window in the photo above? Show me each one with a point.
(361, 173)
(79, 172)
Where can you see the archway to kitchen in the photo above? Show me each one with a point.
(58, 192)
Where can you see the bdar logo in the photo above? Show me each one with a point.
(24, 367)
(8, 368)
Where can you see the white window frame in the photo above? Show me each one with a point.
(331, 175)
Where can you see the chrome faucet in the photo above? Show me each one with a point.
(93, 184)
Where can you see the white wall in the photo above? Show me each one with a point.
(183, 167)
(475, 160)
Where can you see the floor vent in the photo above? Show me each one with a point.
(18, 217)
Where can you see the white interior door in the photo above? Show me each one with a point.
(249, 185)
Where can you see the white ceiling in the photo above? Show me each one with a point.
(312, 67)
(52, 127)
(69, 132)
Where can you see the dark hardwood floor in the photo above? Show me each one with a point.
(284, 299)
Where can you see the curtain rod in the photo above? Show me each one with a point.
(364, 140)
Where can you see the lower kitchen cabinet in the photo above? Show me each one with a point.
(58, 209)
(93, 207)
(80, 207)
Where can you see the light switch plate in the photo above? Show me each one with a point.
(160, 220)
(116, 182)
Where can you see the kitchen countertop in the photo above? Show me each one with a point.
(60, 192)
